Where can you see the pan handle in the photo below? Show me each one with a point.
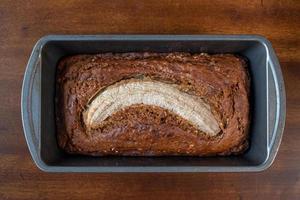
(276, 103)
(30, 103)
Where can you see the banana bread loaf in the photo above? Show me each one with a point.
(152, 104)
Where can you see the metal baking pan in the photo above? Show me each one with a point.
(268, 104)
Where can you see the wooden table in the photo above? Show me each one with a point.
(22, 23)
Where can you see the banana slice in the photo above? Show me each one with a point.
(138, 91)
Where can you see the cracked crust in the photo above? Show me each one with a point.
(220, 80)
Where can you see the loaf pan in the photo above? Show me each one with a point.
(268, 105)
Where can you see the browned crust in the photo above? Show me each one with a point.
(221, 80)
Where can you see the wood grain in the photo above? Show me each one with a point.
(22, 23)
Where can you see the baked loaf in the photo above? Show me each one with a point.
(152, 104)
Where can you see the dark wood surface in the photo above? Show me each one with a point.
(22, 23)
